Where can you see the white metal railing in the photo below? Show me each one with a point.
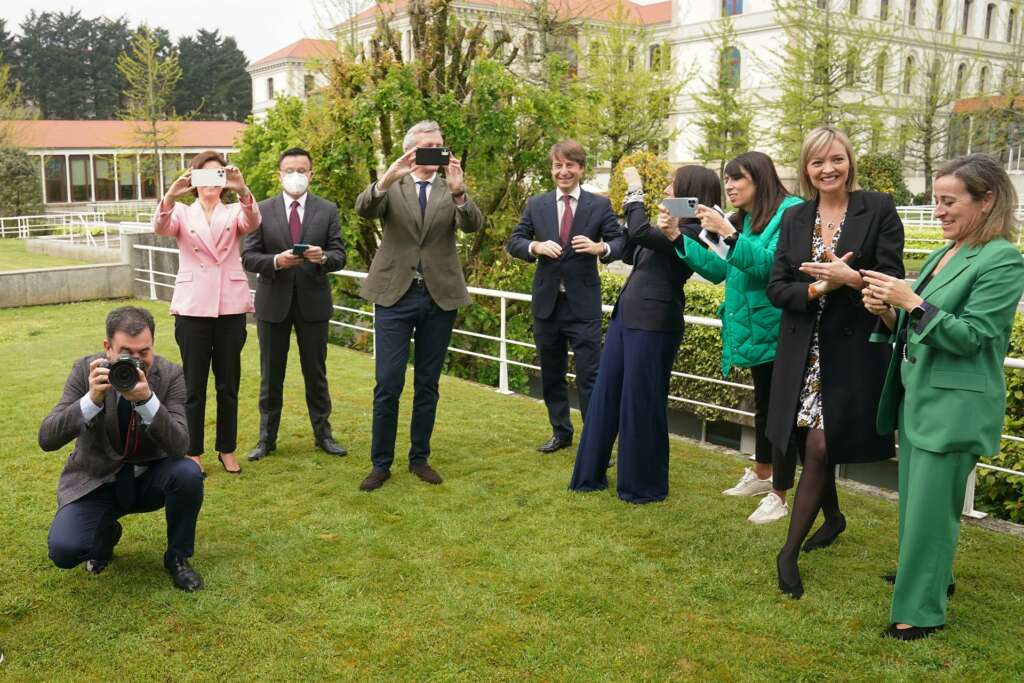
(148, 276)
(72, 225)
(923, 217)
(126, 207)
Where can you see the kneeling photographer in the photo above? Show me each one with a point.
(125, 409)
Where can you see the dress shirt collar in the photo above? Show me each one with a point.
(575, 194)
(288, 201)
(430, 180)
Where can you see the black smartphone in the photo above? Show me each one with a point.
(432, 156)
(299, 249)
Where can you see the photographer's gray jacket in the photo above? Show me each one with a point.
(97, 455)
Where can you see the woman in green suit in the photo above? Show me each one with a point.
(951, 330)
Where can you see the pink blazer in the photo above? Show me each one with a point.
(210, 281)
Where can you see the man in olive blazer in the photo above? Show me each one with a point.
(294, 291)
(416, 284)
(128, 456)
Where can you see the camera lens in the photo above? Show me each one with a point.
(124, 375)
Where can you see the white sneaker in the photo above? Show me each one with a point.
(770, 509)
(750, 485)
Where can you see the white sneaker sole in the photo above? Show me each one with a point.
(753, 519)
(759, 490)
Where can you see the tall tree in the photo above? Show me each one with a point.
(6, 40)
(108, 39)
(151, 81)
(214, 81)
(20, 193)
(51, 62)
(627, 102)
(822, 65)
(724, 112)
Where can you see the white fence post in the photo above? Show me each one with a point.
(152, 276)
(969, 510)
(503, 354)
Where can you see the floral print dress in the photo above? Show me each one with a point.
(809, 413)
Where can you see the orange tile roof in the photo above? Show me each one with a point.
(307, 48)
(971, 104)
(90, 134)
(601, 10)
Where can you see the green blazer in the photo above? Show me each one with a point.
(952, 383)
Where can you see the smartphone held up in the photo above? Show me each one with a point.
(432, 156)
(209, 177)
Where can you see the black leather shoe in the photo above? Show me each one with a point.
(375, 479)
(891, 580)
(825, 535)
(261, 451)
(912, 633)
(97, 566)
(330, 446)
(184, 576)
(789, 577)
(553, 444)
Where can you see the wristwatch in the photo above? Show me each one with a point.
(919, 311)
(731, 239)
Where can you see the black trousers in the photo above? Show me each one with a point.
(783, 462)
(81, 530)
(415, 316)
(553, 336)
(629, 401)
(275, 342)
(216, 342)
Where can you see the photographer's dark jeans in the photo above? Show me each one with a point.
(81, 530)
(217, 342)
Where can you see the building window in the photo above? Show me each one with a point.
(854, 7)
(732, 67)
(56, 179)
(528, 47)
(731, 8)
(81, 184)
(940, 14)
(961, 76)
(990, 14)
(172, 168)
(983, 80)
(822, 4)
(850, 69)
(908, 74)
(883, 10)
(149, 173)
(126, 181)
(912, 12)
(1011, 25)
(965, 22)
(880, 67)
(308, 84)
(270, 88)
(661, 59)
(103, 178)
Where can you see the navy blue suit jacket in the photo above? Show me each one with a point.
(593, 218)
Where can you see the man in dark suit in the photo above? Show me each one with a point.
(129, 453)
(416, 284)
(566, 231)
(293, 290)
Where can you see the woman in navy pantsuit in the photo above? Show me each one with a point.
(630, 397)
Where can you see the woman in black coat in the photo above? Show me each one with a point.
(630, 396)
(828, 376)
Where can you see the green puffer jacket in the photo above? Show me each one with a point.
(750, 324)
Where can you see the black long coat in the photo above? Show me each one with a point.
(852, 367)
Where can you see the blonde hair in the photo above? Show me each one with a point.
(982, 174)
(817, 140)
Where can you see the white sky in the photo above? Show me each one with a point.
(259, 26)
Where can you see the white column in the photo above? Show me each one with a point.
(92, 177)
(67, 174)
(160, 173)
(42, 176)
(117, 180)
(138, 177)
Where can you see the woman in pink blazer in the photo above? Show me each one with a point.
(211, 296)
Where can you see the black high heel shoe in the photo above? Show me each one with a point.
(823, 537)
(791, 586)
(220, 457)
(912, 633)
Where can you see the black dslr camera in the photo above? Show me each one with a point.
(124, 372)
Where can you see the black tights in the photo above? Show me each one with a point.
(816, 490)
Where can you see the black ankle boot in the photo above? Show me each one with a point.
(789, 576)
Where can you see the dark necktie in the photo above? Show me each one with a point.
(563, 231)
(423, 196)
(294, 224)
(124, 483)
(124, 416)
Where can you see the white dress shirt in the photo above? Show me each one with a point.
(287, 198)
(574, 202)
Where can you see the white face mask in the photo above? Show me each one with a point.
(295, 183)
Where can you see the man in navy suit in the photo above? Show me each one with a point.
(566, 231)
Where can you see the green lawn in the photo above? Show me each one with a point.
(13, 256)
(499, 574)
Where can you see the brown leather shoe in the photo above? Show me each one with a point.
(426, 473)
(375, 479)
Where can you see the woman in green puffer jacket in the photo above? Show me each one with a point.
(742, 249)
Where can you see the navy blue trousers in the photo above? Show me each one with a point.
(629, 401)
(81, 530)
(414, 316)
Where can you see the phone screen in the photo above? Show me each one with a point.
(432, 156)
(299, 249)
(681, 207)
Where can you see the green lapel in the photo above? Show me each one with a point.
(956, 265)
